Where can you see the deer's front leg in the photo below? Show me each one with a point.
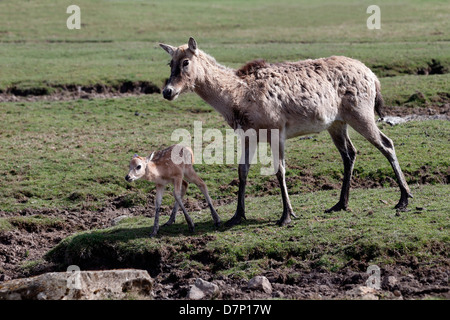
(244, 167)
(158, 199)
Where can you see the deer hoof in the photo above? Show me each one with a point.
(153, 234)
(284, 222)
(402, 206)
(233, 221)
(168, 223)
(337, 207)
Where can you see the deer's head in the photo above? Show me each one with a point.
(138, 166)
(183, 68)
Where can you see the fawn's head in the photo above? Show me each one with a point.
(184, 68)
(138, 167)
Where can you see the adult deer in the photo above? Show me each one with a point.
(295, 98)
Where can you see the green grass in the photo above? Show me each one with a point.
(119, 40)
(400, 90)
(31, 223)
(76, 153)
(257, 21)
(5, 225)
(370, 232)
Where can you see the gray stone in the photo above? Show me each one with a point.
(362, 293)
(80, 285)
(390, 282)
(392, 120)
(116, 220)
(203, 290)
(260, 283)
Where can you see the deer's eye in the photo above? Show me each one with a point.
(138, 167)
(185, 63)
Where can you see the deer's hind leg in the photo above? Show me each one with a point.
(173, 215)
(192, 176)
(177, 186)
(339, 134)
(288, 212)
(366, 126)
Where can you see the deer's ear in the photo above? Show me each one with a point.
(150, 157)
(168, 48)
(193, 45)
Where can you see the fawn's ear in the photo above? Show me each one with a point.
(193, 45)
(150, 157)
(169, 49)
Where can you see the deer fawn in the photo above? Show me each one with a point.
(172, 165)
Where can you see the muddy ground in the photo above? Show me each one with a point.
(406, 280)
(72, 91)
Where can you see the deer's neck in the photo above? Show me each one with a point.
(151, 174)
(221, 88)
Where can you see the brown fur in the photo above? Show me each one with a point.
(250, 68)
(296, 98)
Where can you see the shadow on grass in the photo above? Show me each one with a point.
(202, 228)
(132, 247)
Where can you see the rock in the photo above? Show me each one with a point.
(116, 220)
(278, 294)
(392, 120)
(41, 296)
(203, 289)
(80, 285)
(390, 282)
(397, 293)
(195, 293)
(260, 283)
(362, 293)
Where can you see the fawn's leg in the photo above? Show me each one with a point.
(159, 195)
(192, 176)
(177, 193)
(173, 215)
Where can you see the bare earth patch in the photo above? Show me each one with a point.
(73, 92)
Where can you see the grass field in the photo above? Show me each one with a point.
(74, 154)
(370, 232)
(119, 39)
(83, 158)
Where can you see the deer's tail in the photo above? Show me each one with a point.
(191, 154)
(379, 101)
